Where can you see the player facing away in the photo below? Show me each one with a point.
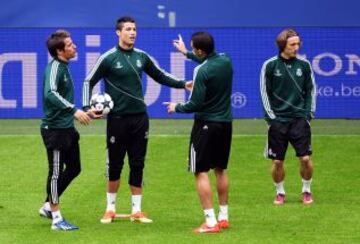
(57, 129)
(121, 68)
(212, 130)
(288, 96)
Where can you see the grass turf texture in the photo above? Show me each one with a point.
(169, 193)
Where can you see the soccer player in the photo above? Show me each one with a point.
(287, 89)
(57, 129)
(121, 68)
(212, 130)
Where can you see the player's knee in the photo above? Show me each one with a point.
(278, 163)
(220, 172)
(305, 160)
(114, 171)
(136, 174)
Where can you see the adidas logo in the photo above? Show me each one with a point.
(205, 127)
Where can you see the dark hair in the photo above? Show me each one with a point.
(56, 42)
(120, 22)
(203, 41)
(283, 36)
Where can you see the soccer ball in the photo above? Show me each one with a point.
(101, 102)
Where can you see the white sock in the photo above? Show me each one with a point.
(136, 203)
(110, 201)
(280, 188)
(56, 217)
(46, 206)
(306, 185)
(210, 217)
(223, 213)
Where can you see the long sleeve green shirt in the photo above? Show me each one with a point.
(122, 71)
(210, 98)
(287, 89)
(58, 96)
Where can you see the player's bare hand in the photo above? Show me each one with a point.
(180, 45)
(170, 107)
(189, 85)
(94, 114)
(82, 117)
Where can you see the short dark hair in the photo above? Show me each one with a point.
(203, 41)
(56, 41)
(283, 36)
(120, 22)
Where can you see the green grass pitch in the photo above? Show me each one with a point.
(169, 195)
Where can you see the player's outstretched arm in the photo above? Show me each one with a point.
(82, 117)
(180, 45)
(170, 106)
(94, 114)
(189, 85)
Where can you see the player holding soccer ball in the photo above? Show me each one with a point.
(57, 129)
(127, 124)
(101, 103)
(288, 95)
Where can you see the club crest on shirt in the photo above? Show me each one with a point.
(277, 73)
(65, 78)
(299, 72)
(138, 63)
(118, 65)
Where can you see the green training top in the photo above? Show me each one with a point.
(58, 96)
(287, 89)
(210, 98)
(122, 71)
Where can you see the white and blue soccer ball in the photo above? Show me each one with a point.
(102, 102)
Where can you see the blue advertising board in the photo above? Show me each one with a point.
(333, 52)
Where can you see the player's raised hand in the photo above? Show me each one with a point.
(82, 117)
(189, 85)
(170, 107)
(180, 45)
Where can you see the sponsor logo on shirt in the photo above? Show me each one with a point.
(277, 73)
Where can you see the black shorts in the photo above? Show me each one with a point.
(60, 139)
(210, 145)
(127, 134)
(297, 132)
